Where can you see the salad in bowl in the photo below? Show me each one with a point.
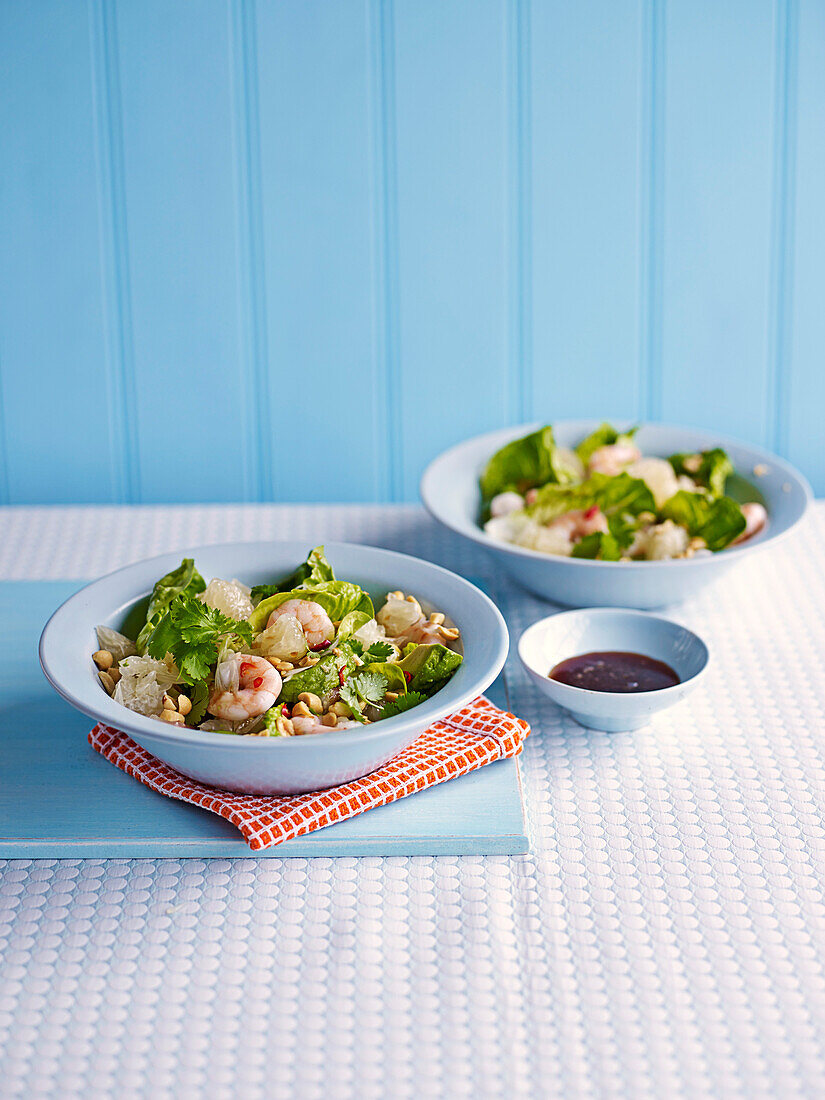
(605, 500)
(591, 514)
(302, 655)
(308, 672)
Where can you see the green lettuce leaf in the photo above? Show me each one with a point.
(427, 668)
(186, 579)
(270, 720)
(619, 495)
(322, 679)
(603, 547)
(352, 623)
(523, 464)
(392, 673)
(316, 569)
(338, 599)
(718, 522)
(714, 468)
(604, 436)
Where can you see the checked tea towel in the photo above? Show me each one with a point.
(474, 736)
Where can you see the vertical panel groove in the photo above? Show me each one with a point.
(386, 221)
(521, 259)
(115, 244)
(5, 487)
(252, 273)
(782, 228)
(651, 214)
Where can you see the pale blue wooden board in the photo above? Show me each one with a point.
(59, 798)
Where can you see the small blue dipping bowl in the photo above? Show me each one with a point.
(606, 629)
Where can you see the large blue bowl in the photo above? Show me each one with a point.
(450, 493)
(269, 765)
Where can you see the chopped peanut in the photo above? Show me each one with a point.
(103, 659)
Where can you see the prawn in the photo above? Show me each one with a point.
(755, 519)
(245, 686)
(315, 623)
(613, 458)
(305, 723)
(581, 522)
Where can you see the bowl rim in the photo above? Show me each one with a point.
(139, 724)
(624, 612)
(472, 531)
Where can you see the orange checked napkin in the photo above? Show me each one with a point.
(474, 736)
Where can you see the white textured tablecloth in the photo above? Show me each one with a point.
(664, 937)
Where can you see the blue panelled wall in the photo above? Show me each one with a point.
(290, 250)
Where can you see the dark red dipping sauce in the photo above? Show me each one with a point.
(614, 672)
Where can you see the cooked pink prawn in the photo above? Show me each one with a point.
(315, 623)
(581, 522)
(306, 723)
(245, 686)
(755, 519)
(613, 458)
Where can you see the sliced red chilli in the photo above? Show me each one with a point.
(321, 645)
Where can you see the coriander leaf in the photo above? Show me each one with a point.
(365, 688)
(378, 651)
(402, 703)
(371, 686)
(184, 579)
(198, 622)
(193, 634)
(199, 697)
(349, 695)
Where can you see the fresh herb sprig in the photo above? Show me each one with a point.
(193, 633)
(363, 689)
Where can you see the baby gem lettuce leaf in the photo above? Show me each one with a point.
(521, 465)
(427, 668)
(314, 570)
(605, 547)
(708, 468)
(617, 495)
(193, 633)
(322, 679)
(352, 623)
(184, 579)
(338, 599)
(718, 522)
(604, 436)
